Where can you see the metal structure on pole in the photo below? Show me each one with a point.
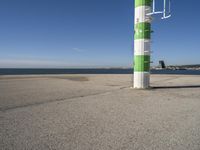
(144, 9)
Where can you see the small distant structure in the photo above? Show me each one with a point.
(162, 64)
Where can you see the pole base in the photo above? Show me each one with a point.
(141, 80)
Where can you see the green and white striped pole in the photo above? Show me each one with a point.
(142, 44)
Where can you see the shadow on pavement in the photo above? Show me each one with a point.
(176, 87)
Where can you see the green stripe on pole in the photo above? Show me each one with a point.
(143, 30)
(142, 63)
(143, 3)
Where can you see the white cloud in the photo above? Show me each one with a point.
(78, 49)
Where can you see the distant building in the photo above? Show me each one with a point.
(162, 64)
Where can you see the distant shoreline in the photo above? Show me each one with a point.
(46, 71)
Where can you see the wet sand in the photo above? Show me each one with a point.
(101, 112)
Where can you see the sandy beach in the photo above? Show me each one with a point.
(99, 112)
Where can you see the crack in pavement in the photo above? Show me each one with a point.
(57, 100)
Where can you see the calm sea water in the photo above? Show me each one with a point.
(89, 71)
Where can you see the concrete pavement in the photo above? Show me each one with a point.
(99, 112)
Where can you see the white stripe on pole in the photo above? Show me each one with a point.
(140, 14)
(141, 80)
(142, 47)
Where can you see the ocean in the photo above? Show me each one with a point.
(14, 71)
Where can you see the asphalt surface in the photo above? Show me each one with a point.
(99, 112)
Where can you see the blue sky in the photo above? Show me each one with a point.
(91, 33)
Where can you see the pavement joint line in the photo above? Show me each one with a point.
(58, 100)
(168, 79)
